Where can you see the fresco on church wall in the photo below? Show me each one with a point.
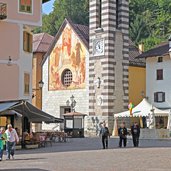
(67, 62)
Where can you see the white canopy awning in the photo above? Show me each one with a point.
(143, 109)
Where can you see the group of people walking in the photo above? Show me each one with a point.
(122, 133)
(8, 139)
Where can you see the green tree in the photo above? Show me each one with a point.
(150, 21)
(76, 10)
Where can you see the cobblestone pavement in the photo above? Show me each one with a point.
(86, 155)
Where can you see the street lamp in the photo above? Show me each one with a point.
(71, 103)
(170, 46)
(41, 83)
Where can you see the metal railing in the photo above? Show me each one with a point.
(3, 11)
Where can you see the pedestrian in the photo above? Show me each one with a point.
(122, 132)
(104, 132)
(2, 142)
(135, 131)
(12, 139)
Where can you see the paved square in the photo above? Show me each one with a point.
(86, 154)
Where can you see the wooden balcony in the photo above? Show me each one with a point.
(3, 11)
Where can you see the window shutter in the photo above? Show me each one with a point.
(25, 41)
(30, 43)
(26, 83)
(155, 97)
(163, 97)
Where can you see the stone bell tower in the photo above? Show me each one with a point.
(108, 60)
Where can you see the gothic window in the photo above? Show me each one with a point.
(25, 6)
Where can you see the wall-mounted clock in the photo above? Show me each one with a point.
(98, 47)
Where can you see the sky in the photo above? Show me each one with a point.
(48, 7)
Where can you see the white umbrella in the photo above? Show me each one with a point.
(169, 120)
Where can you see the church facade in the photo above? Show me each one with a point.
(65, 72)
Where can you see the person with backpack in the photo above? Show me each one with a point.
(135, 131)
(122, 132)
(104, 132)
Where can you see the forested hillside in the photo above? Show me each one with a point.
(150, 20)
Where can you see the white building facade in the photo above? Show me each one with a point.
(158, 81)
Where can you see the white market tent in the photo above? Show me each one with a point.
(144, 108)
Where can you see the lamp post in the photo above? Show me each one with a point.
(37, 101)
(71, 103)
(40, 83)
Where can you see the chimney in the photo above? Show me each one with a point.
(141, 48)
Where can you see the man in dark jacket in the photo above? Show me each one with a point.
(135, 131)
(104, 132)
(122, 132)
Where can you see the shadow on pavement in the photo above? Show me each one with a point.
(89, 144)
(28, 159)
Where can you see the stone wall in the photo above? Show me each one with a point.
(154, 133)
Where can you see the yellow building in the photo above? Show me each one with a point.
(137, 76)
(41, 43)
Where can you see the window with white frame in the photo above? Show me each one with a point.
(25, 6)
(159, 97)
